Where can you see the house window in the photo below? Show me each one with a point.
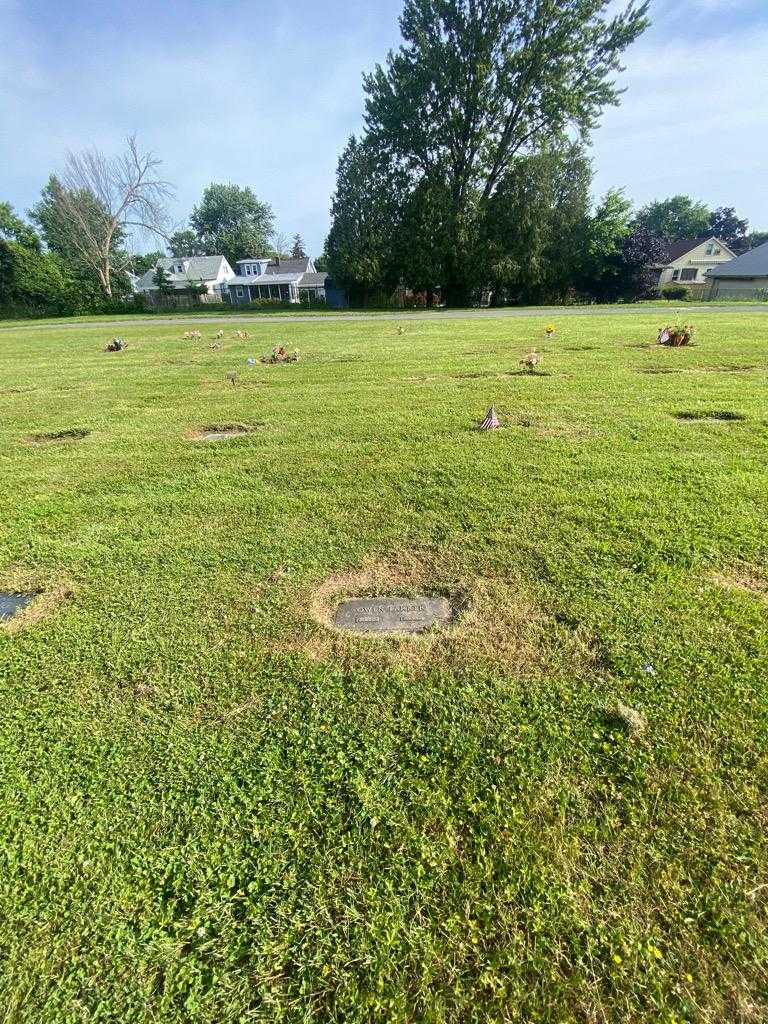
(239, 292)
(180, 268)
(675, 275)
(689, 274)
(248, 269)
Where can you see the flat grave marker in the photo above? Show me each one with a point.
(11, 604)
(392, 614)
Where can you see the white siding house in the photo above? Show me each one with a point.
(690, 259)
(184, 272)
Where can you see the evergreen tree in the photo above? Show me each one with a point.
(297, 251)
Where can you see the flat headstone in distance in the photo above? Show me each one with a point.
(221, 435)
(392, 614)
(12, 604)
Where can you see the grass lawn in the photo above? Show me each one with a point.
(217, 810)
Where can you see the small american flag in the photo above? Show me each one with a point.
(491, 421)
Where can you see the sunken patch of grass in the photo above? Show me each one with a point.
(75, 434)
(723, 415)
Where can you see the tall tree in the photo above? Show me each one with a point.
(477, 83)
(677, 217)
(365, 214)
(297, 250)
(231, 221)
(535, 225)
(14, 229)
(725, 225)
(600, 266)
(755, 238)
(186, 243)
(89, 209)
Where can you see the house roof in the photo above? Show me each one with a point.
(265, 279)
(198, 268)
(752, 264)
(289, 266)
(680, 246)
(316, 280)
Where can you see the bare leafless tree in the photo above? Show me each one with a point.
(100, 199)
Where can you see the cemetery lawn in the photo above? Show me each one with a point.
(215, 809)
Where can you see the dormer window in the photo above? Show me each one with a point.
(179, 268)
(713, 250)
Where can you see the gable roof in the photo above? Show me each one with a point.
(751, 264)
(199, 268)
(680, 246)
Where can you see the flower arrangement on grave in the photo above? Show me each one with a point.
(281, 355)
(550, 330)
(116, 345)
(192, 336)
(531, 361)
(676, 335)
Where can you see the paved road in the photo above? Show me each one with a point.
(434, 317)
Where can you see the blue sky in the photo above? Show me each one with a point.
(266, 96)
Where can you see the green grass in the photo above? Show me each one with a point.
(215, 810)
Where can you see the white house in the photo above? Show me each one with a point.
(190, 271)
(689, 260)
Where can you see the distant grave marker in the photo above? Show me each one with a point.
(392, 614)
(11, 604)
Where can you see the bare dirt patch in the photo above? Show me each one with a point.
(76, 434)
(495, 622)
(745, 577)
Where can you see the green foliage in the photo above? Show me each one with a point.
(33, 283)
(186, 243)
(476, 85)
(756, 238)
(297, 250)
(729, 228)
(675, 291)
(146, 261)
(213, 814)
(163, 281)
(678, 217)
(14, 229)
(230, 220)
(600, 266)
(534, 228)
(365, 212)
